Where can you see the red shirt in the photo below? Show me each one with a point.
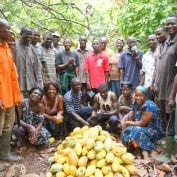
(97, 66)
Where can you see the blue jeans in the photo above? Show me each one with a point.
(114, 86)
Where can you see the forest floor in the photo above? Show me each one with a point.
(35, 163)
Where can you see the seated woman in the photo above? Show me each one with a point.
(126, 99)
(53, 109)
(144, 126)
(31, 120)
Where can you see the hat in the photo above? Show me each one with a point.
(55, 34)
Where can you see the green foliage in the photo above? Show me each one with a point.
(94, 18)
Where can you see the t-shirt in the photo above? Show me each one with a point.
(167, 69)
(96, 65)
(63, 57)
(130, 68)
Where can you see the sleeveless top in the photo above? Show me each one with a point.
(105, 106)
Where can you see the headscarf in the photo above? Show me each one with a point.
(143, 89)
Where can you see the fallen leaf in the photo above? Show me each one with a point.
(30, 175)
(164, 167)
(11, 171)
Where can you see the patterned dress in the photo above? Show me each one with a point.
(34, 119)
(145, 136)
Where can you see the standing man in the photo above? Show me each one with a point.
(96, 66)
(9, 93)
(148, 62)
(67, 65)
(82, 51)
(27, 63)
(56, 40)
(48, 55)
(168, 70)
(130, 63)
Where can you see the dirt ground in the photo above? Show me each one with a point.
(35, 164)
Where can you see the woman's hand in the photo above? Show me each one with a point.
(33, 134)
(58, 119)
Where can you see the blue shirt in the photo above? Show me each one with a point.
(73, 101)
(130, 69)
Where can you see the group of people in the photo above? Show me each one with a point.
(54, 89)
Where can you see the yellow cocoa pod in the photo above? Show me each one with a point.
(109, 175)
(117, 175)
(100, 155)
(48, 174)
(90, 170)
(98, 146)
(108, 144)
(81, 172)
(125, 172)
(85, 135)
(106, 170)
(66, 151)
(60, 174)
(109, 157)
(128, 158)
(131, 169)
(105, 133)
(101, 163)
(91, 154)
(84, 151)
(82, 162)
(72, 170)
(98, 173)
(51, 140)
(101, 138)
(115, 165)
(78, 149)
(84, 128)
(73, 158)
(93, 133)
(66, 168)
(90, 143)
(93, 162)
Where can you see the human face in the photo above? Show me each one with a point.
(83, 42)
(76, 87)
(48, 41)
(95, 45)
(103, 44)
(26, 37)
(152, 41)
(103, 93)
(51, 92)
(161, 35)
(131, 42)
(35, 38)
(119, 45)
(171, 25)
(67, 45)
(5, 33)
(56, 40)
(139, 98)
(36, 95)
(126, 91)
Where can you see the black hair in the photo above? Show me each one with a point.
(53, 83)
(103, 86)
(36, 88)
(25, 29)
(128, 84)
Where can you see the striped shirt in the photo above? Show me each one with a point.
(73, 101)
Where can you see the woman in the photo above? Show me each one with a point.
(144, 126)
(53, 109)
(31, 115)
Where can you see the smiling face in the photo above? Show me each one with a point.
(171, 25)
(52, 91)
(139, 98)
(35, 95)
(119, 45)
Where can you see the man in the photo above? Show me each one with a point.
(106, 109)
(56, 40)
(77, 114)
(27, 63)
(168, 70)
(48, 55)
(35, 41)
(82, 51)
(130, 63)
(67, 65)
(9, 93)
(96, 66)
(148, 62)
